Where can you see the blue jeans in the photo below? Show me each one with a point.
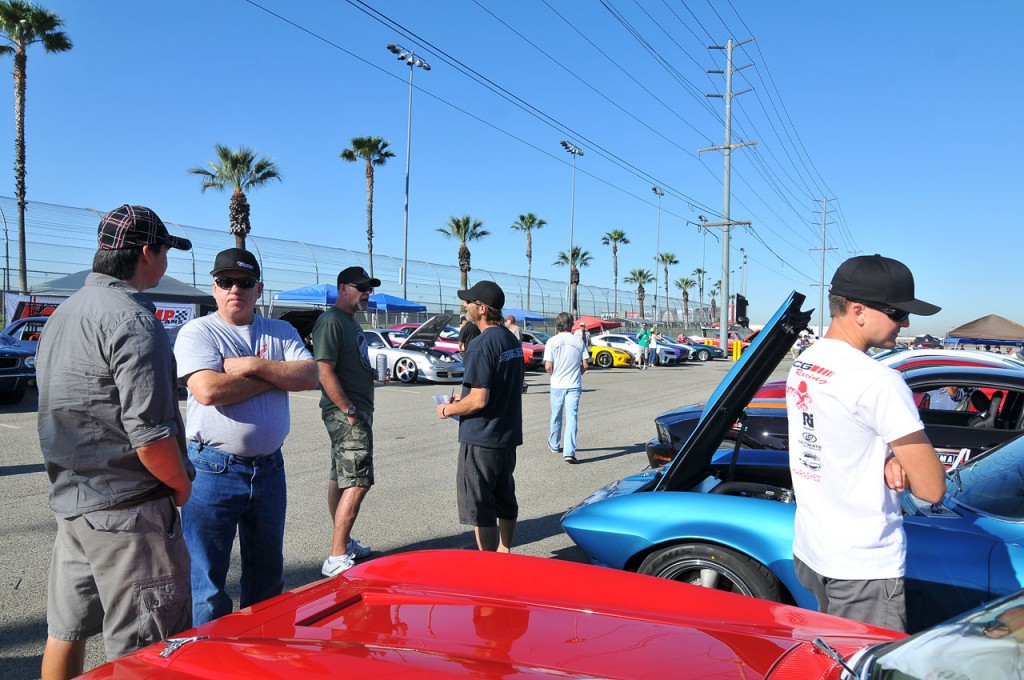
(233, 491)
(569, 399)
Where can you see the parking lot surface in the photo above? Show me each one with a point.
(412, 506)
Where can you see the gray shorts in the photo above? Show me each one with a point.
(485, 486)
(351, 450)
(123, 572)
(880, 602)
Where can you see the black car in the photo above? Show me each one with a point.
(992, 412)
(17, 370)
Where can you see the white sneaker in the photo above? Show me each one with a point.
(335, 564)
(357, 550)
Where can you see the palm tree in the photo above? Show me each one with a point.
(527, 223)
(640, 277)
(22, 24)
(574, 260)
(685, 284)
(667, 259)
(613, 238)
(240, 170)
(374, 150)
(715, 290)
(700, 274)
(465, 229)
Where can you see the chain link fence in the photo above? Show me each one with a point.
(61, 240)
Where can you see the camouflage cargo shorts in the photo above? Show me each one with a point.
(351, 450)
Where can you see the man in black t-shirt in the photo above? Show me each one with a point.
(467, 331)
(490, 411)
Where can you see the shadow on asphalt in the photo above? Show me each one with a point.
(585, 456)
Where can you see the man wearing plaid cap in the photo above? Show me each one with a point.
(113, 442)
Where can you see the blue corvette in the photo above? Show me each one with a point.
(723, 517)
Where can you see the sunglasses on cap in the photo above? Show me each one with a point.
(361, 287)
(896, 315)
(227, 282)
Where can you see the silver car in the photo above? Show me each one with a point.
(415, 357)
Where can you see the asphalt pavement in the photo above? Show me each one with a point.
(411, 507)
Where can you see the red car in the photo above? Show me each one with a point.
(533, 354)
(458, 613)
(449, 614)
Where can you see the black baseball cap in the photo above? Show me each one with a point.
(882, 280)
(236, 258)
(487, 292)
(357, 276)
(131, 226)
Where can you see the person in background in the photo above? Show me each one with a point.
(114, 447)
(510, 324)
(490, 411)
(239, 367)
(643, 338)
(467, 331)
(346, 402)
(566, 360)
(857, 442)
(946, 398)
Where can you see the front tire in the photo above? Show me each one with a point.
(703, 355)
(405, 370)
(712, 566)
(604, 359)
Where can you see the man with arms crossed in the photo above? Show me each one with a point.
(856, 441)
(346, 386)
(239, 367)
(566, 359)
(490, 411)
(113, 443)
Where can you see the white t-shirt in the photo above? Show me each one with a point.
(565, 352)
(843, 409)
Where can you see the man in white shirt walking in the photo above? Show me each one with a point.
(566, 360)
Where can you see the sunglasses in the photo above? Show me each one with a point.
(896, 315)
(227, 282)
(361, 287)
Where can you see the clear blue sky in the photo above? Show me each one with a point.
(905, 115)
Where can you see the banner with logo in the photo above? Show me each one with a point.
(173, 315)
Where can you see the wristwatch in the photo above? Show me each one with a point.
(351, 410)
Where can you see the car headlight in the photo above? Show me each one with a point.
(30, 362)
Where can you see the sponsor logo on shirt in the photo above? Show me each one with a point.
(813, 372)
(511, 355)
(803, 399)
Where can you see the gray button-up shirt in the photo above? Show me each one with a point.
(106, 387)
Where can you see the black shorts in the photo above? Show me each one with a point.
(486, 489)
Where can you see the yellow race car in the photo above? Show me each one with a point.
(607, 357)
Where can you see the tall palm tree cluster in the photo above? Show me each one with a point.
(243, 170)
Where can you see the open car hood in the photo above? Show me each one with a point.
(734, 393)
(428, 332)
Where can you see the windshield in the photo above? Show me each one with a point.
(988, 643)
(992, 484)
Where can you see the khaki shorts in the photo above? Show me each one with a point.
(351, 450)
(133, 559)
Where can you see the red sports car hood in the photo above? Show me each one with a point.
(447, 614)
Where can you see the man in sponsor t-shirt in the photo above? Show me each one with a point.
(490, 411)
(856, 442)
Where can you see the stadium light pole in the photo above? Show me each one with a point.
(412, 61)
(657, 252)
(575, 151)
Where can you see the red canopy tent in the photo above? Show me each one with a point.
(592, 323)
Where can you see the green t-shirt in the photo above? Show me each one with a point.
(643, 338)
(338, 337)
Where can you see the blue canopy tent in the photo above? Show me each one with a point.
(382, 302)
(324, 294)
(523, 314)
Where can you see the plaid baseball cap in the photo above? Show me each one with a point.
(135, 225)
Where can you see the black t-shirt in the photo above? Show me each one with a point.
(467, 333)
(494, 361)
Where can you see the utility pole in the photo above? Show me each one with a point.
(821, 281)
(726, 223)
